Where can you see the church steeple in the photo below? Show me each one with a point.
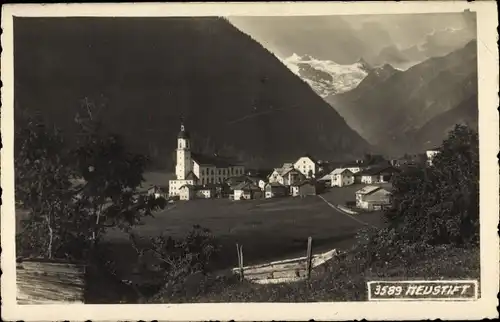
(184, 162)
(183, 134)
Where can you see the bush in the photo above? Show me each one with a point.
(440, 204)
(173, 261)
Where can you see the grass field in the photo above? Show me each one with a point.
(269, 229)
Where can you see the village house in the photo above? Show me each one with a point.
(275, 189)
(326, 180)
(304, 188)
(246, 191)
(431, 154)
(233, 181)
(376, 174)
(373, 197)
(307, 165)
(342, 177)
(207, 191)
(198, 169)
(286, 175)
(354, 167)
(157, 192)
(187, 192)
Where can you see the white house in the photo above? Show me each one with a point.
(286, 175)
(342, 177)
(246, 191)
(206, 192)
(186, 192)
(307, 166)
(198, 169)
(354, 167)
(373, 197)
(377, 174)
(431, 153)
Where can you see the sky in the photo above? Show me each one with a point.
(397, 39)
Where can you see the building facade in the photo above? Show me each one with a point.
(307, 166)
(342, 177)
(286, 175)
(373, 198)
(303, 189)
(198, 169)
(431, 154)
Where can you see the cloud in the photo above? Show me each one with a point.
(441, 42)
(394, 38)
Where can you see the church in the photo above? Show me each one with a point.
(194, 169)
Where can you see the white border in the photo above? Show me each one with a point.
(475, 282)
(485, 307)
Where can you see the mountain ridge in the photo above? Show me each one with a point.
(387, 111)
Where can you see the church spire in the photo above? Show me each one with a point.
(183, 134)
(182, 124)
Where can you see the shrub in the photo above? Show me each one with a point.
(174, 261)
(440, 204)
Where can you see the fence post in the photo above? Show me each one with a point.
(309, 257)
(241, 262)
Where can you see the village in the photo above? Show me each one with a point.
(214, 177)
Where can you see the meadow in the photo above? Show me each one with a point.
(268, 229)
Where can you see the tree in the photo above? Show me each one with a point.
(73, 195)
(43, 182)
(109, 193)
(440, 204)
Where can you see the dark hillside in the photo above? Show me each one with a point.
(236, 97)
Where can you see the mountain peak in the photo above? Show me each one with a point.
(327, 77)
(364, 65)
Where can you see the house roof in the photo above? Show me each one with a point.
(275, 184)
(239, 179)
(308, 156)
(44, 282)
(327, 176)
(208, 186)
(191, 175)
(287, 170)
(246, 186)
(213, 160)
(373, 171)
(302, 183)
(352, 164)
(340, 170)
(187, 186)
(283, 170)
(367, 190)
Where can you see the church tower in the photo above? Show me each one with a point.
(184, 162)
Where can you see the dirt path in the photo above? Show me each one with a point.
(345, 213)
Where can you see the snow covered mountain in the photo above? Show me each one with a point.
(326, 77)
